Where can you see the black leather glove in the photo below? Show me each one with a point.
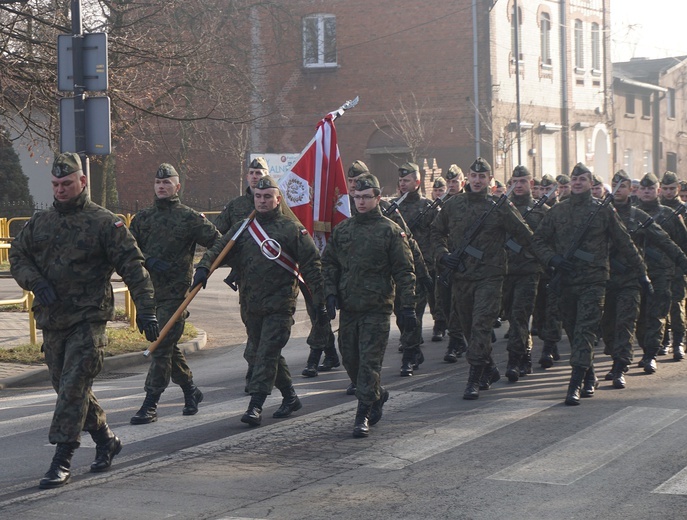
(409, 319)
(332, 305)
(157, 264)
(147, 324)
(647, 288)
(44, 293)
(450, 261)
(201, 277)
(563, 265)
(322, 315)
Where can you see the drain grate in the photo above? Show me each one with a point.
(117, 375)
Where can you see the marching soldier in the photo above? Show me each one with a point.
(477, 275)
(366, 256)
(167, 234)
(271, 255)
(66, 256)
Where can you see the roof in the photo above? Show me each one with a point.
(646, 71)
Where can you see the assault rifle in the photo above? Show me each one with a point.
(574, 250)
(680, 210)
(511, 243)
(469, 236)
(436, 203)
(393, 206)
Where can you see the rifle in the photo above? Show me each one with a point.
(574, 250)
(436, 203)
(393, 206)
(676, 213)
(511, 243)
(470, 235)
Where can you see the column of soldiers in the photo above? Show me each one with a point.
(611, 270)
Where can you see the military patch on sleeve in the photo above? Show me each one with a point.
(304, 231)
(118, 224)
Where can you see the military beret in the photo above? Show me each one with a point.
(537, 182)
(266, 182)
(579, 169)
(66, 164)
(499, 184)
(407, 169)
(480, 166)
(596, 180)
(683, 185)
(562, 179)
(548, 180)
(649, 179)
(453, 172)
(259, 163)
(358, 168)
(439, 182)
(165, 171)
(366, 181)
(620, 176)
(669, 178)
(521, 171)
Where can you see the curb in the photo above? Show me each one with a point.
(41, 375)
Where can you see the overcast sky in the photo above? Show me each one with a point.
(648, 28)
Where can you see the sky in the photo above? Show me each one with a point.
(647, 29)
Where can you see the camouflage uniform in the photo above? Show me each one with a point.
(76, 246)
(170, 231)
(237, 210)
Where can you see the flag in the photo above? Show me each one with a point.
(315, 188)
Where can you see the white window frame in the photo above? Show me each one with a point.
(545, 39)
(321, 21)
(596, 47)
(579, 45)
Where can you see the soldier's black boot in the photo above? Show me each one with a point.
(546, 359)
(525, 367)
(107, 445)
(407, 362)
(310, 369)
(513, 367)
(253, 415)
(58, 474)
(331, 359)
(555, 354)
(362, 417)
(289, 404)
(148, 411)
(249, 374)
(618, 371)
(490, 375)
(439, 330)
(350, 389)
(451, 355)
(472, 388)
(192, 398)
(376, 410)
(576, 379)
(591, 383)
(418, 357)
(461, 344)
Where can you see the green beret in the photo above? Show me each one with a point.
(366, 181)
(407, 169)
(579, 169)
(562, 179)
(165, 171)
(620, 176)
(499, 184)
(259, 163)
(439, 182)
(358, 168)
(649, 179)
(548, 180)
(521, 171)
(454, 171)
(669, 178)
(480, 166)
(66, 164)
(266, 182)
(596, 180)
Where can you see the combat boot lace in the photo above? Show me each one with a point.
(289, 404)
(148, 411)
(58, 474)
(107, 445)
(362, 417)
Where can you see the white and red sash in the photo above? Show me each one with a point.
(265, 242)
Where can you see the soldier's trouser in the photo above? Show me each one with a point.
(168, 360)
(74, 357)
(411, 339)
(677, 308)
(434, 309)
(444, 298)
(652, 315)
(363, 337)
(268, 335)
(478, 304)
(581, 308)
(321, 337)
(619, 321)
(551, 326)
(521, 291)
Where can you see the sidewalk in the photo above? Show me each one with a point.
(14, 331)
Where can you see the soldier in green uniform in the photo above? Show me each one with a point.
(563, 186)
(583, 274)
(520, 284)
(598, 190)
(66, 256)
(167, 234)
(438, 188)
(683, 191)
(669, 190)
(271, 256)
(366, 257)
(477, 276)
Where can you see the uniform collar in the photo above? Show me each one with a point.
(72, 205)
(580, 198)
(168, 202)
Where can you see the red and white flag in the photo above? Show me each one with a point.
(315, 188)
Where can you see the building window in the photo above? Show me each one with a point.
(646, 105)
(647, 162)
(671, 162)
(579, 46)
(516, 33)
(596, 47)
(545, 32)
(670, 98)
(630, 104)
(319, 40)
(627, 162)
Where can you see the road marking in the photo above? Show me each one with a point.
(422, 444)
(570, 459)
(676, 485)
